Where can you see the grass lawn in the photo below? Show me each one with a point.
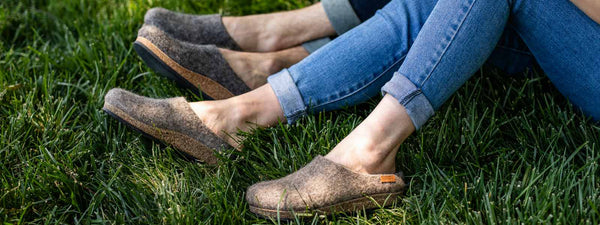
(504, 149)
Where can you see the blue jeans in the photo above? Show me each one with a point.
(343, 16)
(421, 52)
(365, 9)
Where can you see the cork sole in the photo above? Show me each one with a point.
(164, 65)
(182, 142)
(349, 206)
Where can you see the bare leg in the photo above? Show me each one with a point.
(254, 67)
(370, 148)
(281, 30)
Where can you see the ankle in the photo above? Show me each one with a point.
(255, 33)
(271, 64)
(210, 114)
(245, 114)
(376, 159)
(258, 108)
(220, 118)
(269, 33)
(248, 66)
(364, 156)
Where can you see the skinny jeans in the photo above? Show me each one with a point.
(343, 16)
(421, 52)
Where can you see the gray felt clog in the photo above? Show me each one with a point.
(196, 29)
(323, 187)
(200, 68)
(169, 120)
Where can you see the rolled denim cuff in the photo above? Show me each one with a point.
(341, 15)
(288, 95)
(417, 106)
(312, 46)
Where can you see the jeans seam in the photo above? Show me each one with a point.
(515, 50)
(520, 35)
(294, 115)
(364, 86)
(410, 97)
(298, 111)
(449, 43)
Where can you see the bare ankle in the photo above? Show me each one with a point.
(270, 40)
(255, 33)
(217, 119)
(258, 108)
(372, 146)
(363, 156)
(252, 67)
(271, 65)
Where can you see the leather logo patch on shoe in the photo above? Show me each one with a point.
(388, 179)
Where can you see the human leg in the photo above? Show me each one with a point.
(376, 65)
(258, 33)
(327, 18)
(452, 45)
(253, 67)
(310, 85)
(358, 84)
(343, 15)
(280, 30)
(552, 45)
(353, 67)
(432, 72)
(371, 147)
(365, 9)
(273, 31)
(317, 83)
(565, 43)
(436, 65)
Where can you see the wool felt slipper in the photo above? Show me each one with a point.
(169, 120)
(200, 68)
(323, 187)
(196, 29)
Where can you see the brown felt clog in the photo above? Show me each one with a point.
(323, 187)
(169, 120)
(196, 29)
(197, 67)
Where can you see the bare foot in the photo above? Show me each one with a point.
(254, 68)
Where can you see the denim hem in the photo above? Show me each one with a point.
(379, 76)
(288, 95)
(417, 106)
(312, 46)
(341, 15)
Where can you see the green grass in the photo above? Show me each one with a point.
(504, 149)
